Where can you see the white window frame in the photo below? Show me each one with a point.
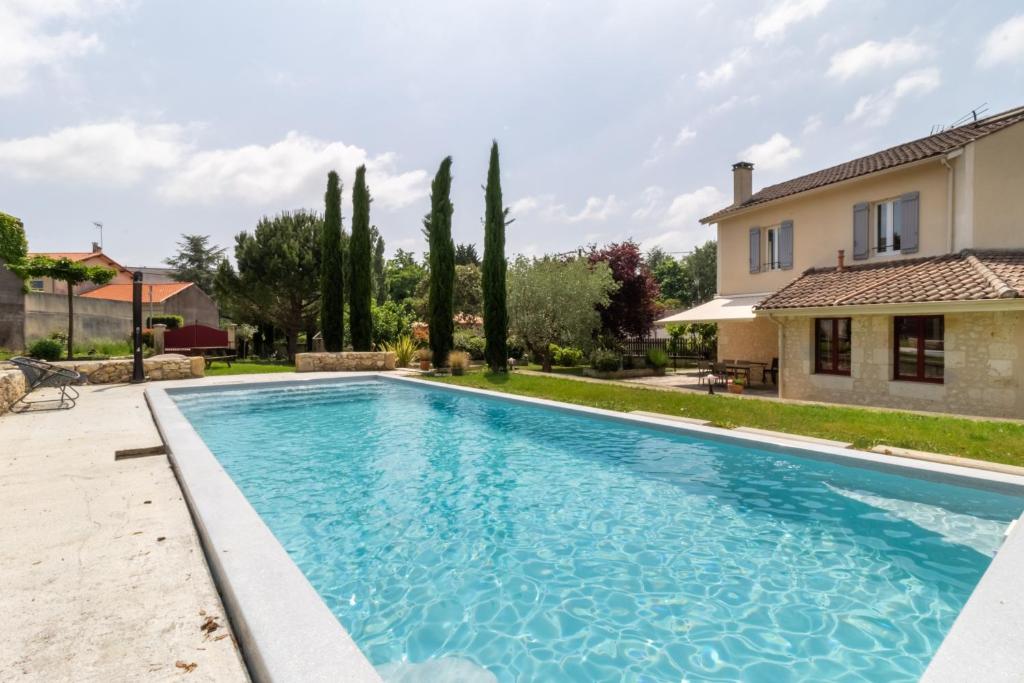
(886, 208)
(771, 247)
(40, 288)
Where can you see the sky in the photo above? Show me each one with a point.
(615, 119)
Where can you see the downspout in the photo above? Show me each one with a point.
(781, 347)
(950, 201)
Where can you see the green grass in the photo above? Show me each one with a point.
(248, 367)
(1001, 442)
(558, 369)
(110, 348)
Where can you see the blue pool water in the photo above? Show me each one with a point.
(480, 539)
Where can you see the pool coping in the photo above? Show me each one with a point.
(264, 589)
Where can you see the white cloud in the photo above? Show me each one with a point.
(596, 209)
(545, 206)
(117, 152)
(812, 123)
(731, 103)
(774, 153)
(656, 152)
(651, 198)
(685, 135)
(1004, 44)
(724, 72)
(687, 209)
(871, 56)
(524, 205)
(294, 167)
(876, 109)
(772, 24)
(34, 34)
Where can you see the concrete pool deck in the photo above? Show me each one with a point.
(102, 572)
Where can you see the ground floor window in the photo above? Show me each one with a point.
(832, 346)
(920, 348)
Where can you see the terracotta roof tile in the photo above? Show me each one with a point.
(908, 152)
(123, 291)
(967, 276)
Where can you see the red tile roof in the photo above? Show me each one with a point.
(908, 152)
(971, 275)
(78, 256)
(150, 292)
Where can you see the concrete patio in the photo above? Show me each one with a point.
(104, 578)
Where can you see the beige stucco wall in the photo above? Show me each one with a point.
(748, 340)
(984, 369)
(998, 201)
(823, 224)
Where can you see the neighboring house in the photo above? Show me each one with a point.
(173, 298)
(96, 257)
(895, 279)
(154, 275)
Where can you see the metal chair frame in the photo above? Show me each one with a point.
(39, 375)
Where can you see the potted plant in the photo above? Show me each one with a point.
(737, 384)
(459, 362)
(658, 360)
(423, 356)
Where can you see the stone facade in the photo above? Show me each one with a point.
(12, 386)
(756, 340)
(984, 366)
(346, 361)
(119, 371)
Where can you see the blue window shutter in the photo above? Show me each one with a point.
(755, 250)
(861, 230)
(910, 214)
(786, 245)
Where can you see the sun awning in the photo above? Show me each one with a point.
(718, 309)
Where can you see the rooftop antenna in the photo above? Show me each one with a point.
(969, 117)
(99, 226)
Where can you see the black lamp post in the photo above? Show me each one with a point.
(138, 373)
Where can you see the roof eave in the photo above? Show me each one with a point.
(920, 307)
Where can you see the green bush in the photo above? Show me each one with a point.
(604, 360)
(565, 356)
(390, 322)
(471, 343)
(173, 322)
(657, 358)
(46, 349)
(404, 349)
(629, 362)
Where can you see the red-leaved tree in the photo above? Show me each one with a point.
(633, 308)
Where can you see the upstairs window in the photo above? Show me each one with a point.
(920, 348)
(832, 344)
(888, 227)
(772, 248)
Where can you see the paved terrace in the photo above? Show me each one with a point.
(102, 573)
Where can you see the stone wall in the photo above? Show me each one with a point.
(346, 361)
(984, 366)
(756, 340)
(118, 371)
(12, 386)
(94, 318)
(12, 310)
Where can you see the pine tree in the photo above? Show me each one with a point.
(494, 270)
(360, 296)
(438, 224)
(380, 283)
(332, 274)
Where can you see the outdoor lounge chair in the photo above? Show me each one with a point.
(39, 375)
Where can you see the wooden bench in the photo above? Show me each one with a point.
(226, 358)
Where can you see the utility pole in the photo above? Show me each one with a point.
(99, 226)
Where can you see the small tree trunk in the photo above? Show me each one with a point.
(71, 321)
(291, 340)
(545, 362)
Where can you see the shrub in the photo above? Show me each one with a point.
(565, 356)
(516, 348)
(173, 322)
(404, 349)
(604, 360)
(471, 343)
(629, 362)
(423, 354)
(458, 361)
(657, 358)
(59, 336)
(46, 349)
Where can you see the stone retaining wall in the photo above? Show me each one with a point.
(12, 386)
(118, 371)
(346, 361)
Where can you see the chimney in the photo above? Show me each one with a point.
(742, 182)
(96, 248)
(841, 261)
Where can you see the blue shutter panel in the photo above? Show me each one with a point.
(910, 217)
(861, 233)
(755, 250)
(786, 245)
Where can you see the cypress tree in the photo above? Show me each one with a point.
(494, 269)
(380, 284)
(442, 265)
(332, 276)
(360, 285)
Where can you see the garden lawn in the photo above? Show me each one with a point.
(994, 441)
(248, 367)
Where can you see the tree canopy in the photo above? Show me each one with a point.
(403, 273)
(196, 261)
(634, 305)
(466, 255)
(438, 227)
(332, 269)
(495, 267)
(380, 283)
(13, 245)
(551, 301)
(360, 286)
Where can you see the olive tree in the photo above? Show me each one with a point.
(553, 301)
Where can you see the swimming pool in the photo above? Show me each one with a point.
(500, 540)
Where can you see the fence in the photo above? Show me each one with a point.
(682, 348)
